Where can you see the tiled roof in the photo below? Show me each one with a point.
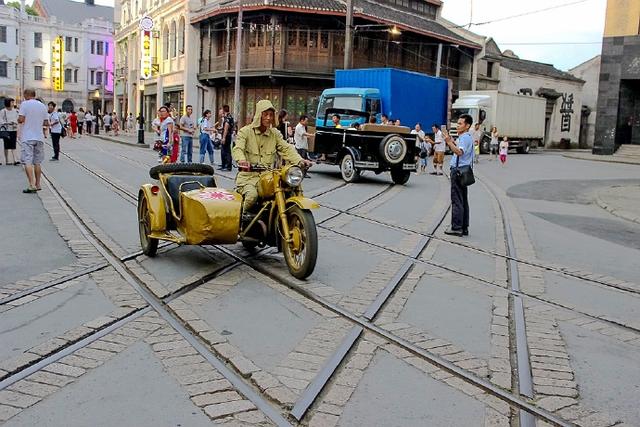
(540, 68)
(75, 12)
(367, 9)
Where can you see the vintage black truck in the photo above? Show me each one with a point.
(374, 147)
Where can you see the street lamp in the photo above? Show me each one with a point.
(140, 117)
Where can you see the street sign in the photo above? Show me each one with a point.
(57, 64)
(146, 63)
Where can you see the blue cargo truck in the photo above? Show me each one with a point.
(408, 96)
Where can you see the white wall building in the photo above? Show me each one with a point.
(26, 54)
(174, 44)
(588, 71)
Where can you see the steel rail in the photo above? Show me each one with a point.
(508, 257)
(492, 389)
(68, 277)
(313, 390)
(482, 280)
(515, 400)
(159, 306)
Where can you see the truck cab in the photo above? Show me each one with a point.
(478, 107)
(366, 100)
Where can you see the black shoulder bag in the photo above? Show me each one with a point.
(464, 174)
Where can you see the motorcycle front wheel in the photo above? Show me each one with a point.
(302, 252)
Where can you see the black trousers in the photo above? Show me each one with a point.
(225, 153)
(88, 127)
(55, 139)
(80, 127)
(459, 206)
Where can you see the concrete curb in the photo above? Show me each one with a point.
(620, 213)
(598, 158)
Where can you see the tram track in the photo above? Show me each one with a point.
(153, 303)
(361, 323)
(76, 275)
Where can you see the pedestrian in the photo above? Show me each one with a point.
(32, 118)
(80, 120)
(88, 122)
(167, 128)
(439, 147)
(115, 123)
(493, 146)
(422, 150)
(187, 129)
(9, 130)
(477, 135)
(130, 122)
(73, 124)
(206, 146)
(98, 121)
(397, 122)
(55, 130)
(462, 156)
(227, 132)
(504, 150)
(301, 137)
(107, 120)
(384, 119)
(283, 124)
(63, 118)
(373, 120)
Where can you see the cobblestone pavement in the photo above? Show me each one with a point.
(84, 346)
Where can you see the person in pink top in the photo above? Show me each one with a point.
(504, 150)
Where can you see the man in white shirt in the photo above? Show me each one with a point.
(55, 129)
(439, 146)
(300, 137)
(33, 117)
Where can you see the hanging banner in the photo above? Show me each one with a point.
(57, 64)
(146, 60)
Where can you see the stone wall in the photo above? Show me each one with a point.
(619, 75)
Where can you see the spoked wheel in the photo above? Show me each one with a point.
(149, 244)
(348, 169)
(301, 254)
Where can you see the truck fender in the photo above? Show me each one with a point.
(156, 205)
(302, 202)
(355, 153)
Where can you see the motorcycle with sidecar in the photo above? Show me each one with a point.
(188, 208)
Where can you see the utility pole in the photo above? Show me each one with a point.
(22, 46)
(104, 77)
(348, 36)
(236, 86)
(439, 60)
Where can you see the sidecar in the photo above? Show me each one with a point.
(186, 207)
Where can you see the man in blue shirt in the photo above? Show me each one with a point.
(462, 156)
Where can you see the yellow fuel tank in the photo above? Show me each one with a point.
(210, 216)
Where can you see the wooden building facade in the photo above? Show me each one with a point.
(291, 48)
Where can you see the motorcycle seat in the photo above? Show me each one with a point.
(174, 183)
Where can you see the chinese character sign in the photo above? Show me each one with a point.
(565, 112)
(145, 64)
(57, 65)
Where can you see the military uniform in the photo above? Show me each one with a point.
(259, 148)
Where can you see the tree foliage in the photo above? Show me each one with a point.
(29, 9)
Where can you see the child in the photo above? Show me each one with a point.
(504, 150)
(424, 156)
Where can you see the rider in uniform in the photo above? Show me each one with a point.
(257, 144)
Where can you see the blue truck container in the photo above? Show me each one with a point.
(409, 96)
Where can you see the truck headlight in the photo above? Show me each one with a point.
(293, 176)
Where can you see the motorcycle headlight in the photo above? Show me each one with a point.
(293, 176)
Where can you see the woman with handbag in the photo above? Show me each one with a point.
(461, 164)
(9, 130)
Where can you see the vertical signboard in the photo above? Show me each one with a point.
(146, 60)
(57, 64)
